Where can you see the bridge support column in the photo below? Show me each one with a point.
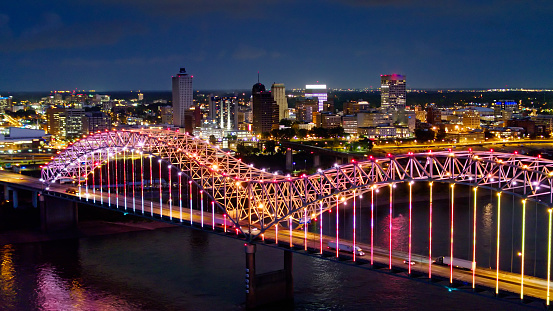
(289, 159)
(316, 161)
(57, 214)
(6, 193)
(15, 198)
(34, 199)
(270, 287)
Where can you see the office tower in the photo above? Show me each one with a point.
(223, 112)
(96, 121)
(74, 123)
(318, 91)
(305, 109)
(279, 95)
(392, 92)
(182, 96)
(56, 120)
(265, 110)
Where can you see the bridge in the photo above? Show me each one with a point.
(173, 177)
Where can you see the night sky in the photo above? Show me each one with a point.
(139, 44)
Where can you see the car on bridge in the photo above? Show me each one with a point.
(71, 191)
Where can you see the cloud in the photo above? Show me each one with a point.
(53, 34)
(132, 61)
(180, 8)
(5, 30)
(49, 22)
(248, 52)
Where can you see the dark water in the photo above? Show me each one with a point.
(184, 269)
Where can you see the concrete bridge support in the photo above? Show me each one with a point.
(14, 195)
(15, 198)
(57, 214)
(34, 199)
(6, 193)
(271, 287)
(316, 161)
(289, 159)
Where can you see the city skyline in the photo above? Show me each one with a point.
(113, 45)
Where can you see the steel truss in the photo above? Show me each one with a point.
(248, 194)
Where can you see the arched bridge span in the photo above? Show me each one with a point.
(246, 193)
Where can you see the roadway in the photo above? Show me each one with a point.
(510, 282)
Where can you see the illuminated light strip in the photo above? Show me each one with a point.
(354, 249)
(548, 257)
(117, 181)
(180, 196)
(93, 180)
(151, 187)
(372, 225)
(109, 183)
(133, 191)
(125, 177)
(522, 252)
(160, 193)
(430, 237)
(321, 228)
(190, 187)
(101, 188)
(170, 196)
(290, 229)
(451, 237)
(142, 180)
(474, 240)
(390, 258)
(410, 216)
(497, 250)
(225, 222)
(202, 206)
(337, 241)
(305, 229)
(213, 215)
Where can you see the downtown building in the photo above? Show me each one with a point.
(265, 110)
(392, 92)
(317, 91)
(182, 97)
(279, 95)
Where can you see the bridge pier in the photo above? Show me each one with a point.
(289, 159)
(57, 214)
(15, 198)
(270, 287)
(6, 192)
(34, 199)
(316, 161)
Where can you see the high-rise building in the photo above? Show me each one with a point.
(223, 112)
(74, 123)
(305, 109)
(392, 92)
(96, 121)
(318, 91)
(56, 120)
(265, 109)
(279, 95)
(182, 96)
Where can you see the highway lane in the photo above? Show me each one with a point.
(534, 287)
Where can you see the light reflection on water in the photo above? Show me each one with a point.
(182, 269)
